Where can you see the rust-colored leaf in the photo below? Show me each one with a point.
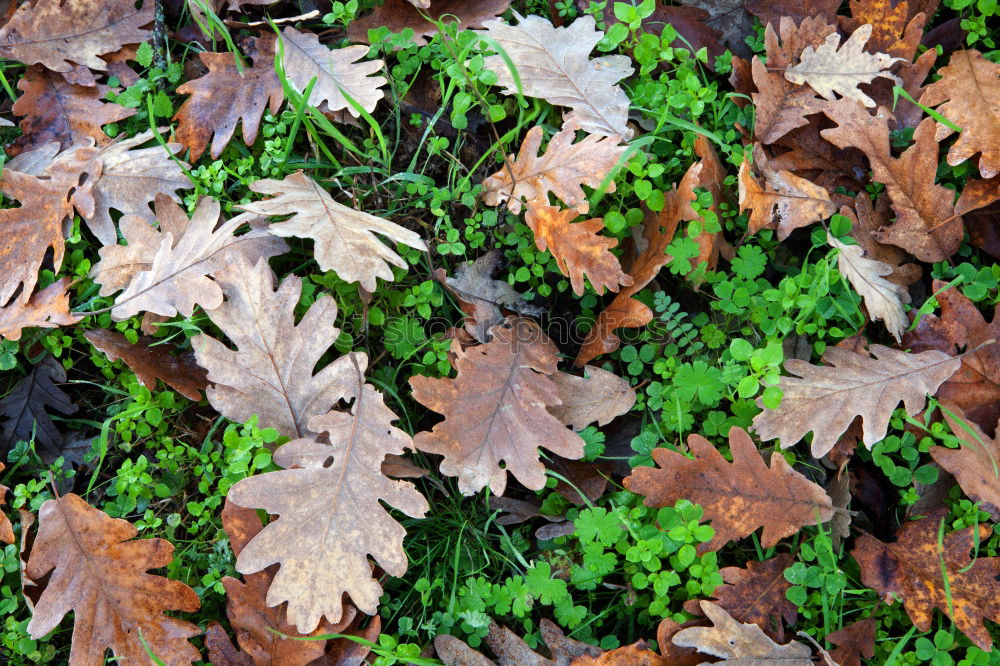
(866, 219)
(895, 30)
(854, 643)
(926, 224)
(97, 569)
(25, 410)
(270, 371)
(826, 399)
(785, 202)
(6, 530)
(397, 15)
(330, 517)
(756, 595)
(70, 37)
(578, 248)
(599, 397)
(28, 232)
(975, 463)
(910, 568)
(710, 175)
(495, 410)
(59, 111)
(48, 308)
(224, 96)
(968, 94)
(561, 170)
(975, 388)
(738, 497)
(150, 362)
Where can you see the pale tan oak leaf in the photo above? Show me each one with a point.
(598, 397)
(883, 299)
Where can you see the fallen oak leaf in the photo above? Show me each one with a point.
(26, 408)
(975, 464)
(883, 299)
(599, 397)
(496, 410)
(97, 568)
(895, 30)
(345, 237)
(48, 308)
(826, 399)
(738, 643)
(854, 642)
(150, 362)
(398, 15)
(6, 529)
(830, 71)
(561, 170)
(916, 565)
(786, 202)
(578, 248)
(737, 497)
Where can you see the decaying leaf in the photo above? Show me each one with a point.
(97, 569)
(270, 373)
(738, 643)
(895, 29)
(578, 248)
(910, 568)
(960, 327)
(150, 362)
(554, 64)
(131, 177)
(70, 37)
(338, 75)
(495, 410)
(926, 224)
(975, 464)
(597, 398)
(6, 529)
(63, 112)
(866, 220)
(481, 297)
(883, 299)
(48, 308)
(254, 623)
(224, 96)
(330, 519)
(25, 409)
(509, 649)
(397, 15)
(737, 497)
(786, 202)
(826, 399)
(561, 170)
(831, 72)
(345, 237)
(968, 94)
(854, 643)
(47, 200)
(166, 271)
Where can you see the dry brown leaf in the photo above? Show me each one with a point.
(731, 18)
(831, 72)
(975, 388)
(47, 200)
(398, 15)
(854, 642)
(926, 224)
(150, 362)
(738, 643)
(786, 202)
(6, 529)
(511, 650)
(25, 410)
(578, 248)
(826, 399)
(910, 568)
(48, 308)
(977, 194)
(330, 520)
(495, 410)
(625, 311)
(866, 219)
(883, 299)
(130, 179)
(97, 568)
(345, 237)
(737, 497)
(599, 397)
(968, 94)
(336, 71)
(68, 36)
(270, 372)
(224, 96)
(895, 30)
(166, 270)
(561, 170)
(63, 112)
(710, 175)
(554, 64)
(975, 464)
(756, 595)
(481, 297)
